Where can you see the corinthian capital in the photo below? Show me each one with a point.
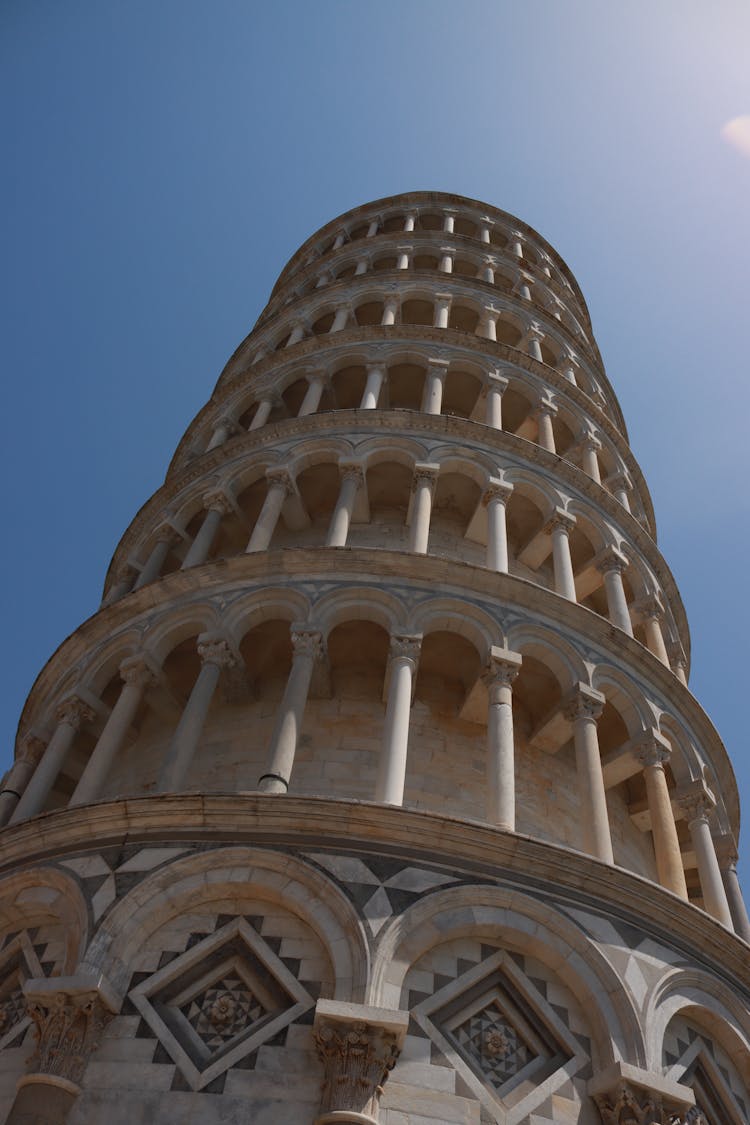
(358, 1055)
(68, 1022)
(74, 711)
(214, 649)
(406, 646)
(307, 642)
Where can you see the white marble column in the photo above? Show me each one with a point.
(402, 666)
(620, 486)
(375, 380)
(566, 365)
(390, 312)
(297, 334)
(136, 676)
(523, 287)
(122, 585)
(442, 310)
(678, 662)
(18, 776)
(423, 488)
(339, 240)
(503, 668)
(307, 648)
(340, 319)
(653, 754)
(652, 615)
(263, 413)
(559, 528)
(485, 229)
(446, 259)
(317, 383)
(373, 228)
(726, 850)
(409, 221)
(582, 710)
(223, 430)
(544, 414)
(487, 271)
(363, 264)
(697, 803)
(157, 557)
(590, 449)
(496, 495)
(611, 565)
(533, 340)
(497, 385)
(217, 506)
(434, 384)
(280, 485)
(487, 324)
(215, 654)
(70, 715)
(515, 243)
(352, 478)
(402, 258)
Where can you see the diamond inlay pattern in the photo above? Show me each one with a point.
(222, 1011)
(12, 1010)
(494, 1045)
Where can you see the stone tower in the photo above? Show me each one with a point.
(374, 790)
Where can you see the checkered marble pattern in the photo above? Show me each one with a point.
(684, 1043)
(222, 1011)
(108, 875)
(12, 1011)
(48, 943)
(380, 887)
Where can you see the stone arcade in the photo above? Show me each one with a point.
(374, 791)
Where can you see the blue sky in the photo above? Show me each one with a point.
(163, 159)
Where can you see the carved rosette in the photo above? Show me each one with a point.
(357, 1059)
(68, 1029)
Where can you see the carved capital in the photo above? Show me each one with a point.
(650, 609)
(497, 489)
(68, 1026)
(215, 650)
(31, 749)
(217, 501)
(357, 1058)
(560, 521)
(583, 703)
(424, 471)
(74, 712)
(696, 801)
(653, 750)
(502, 668)
(281, 479)
(406, 646)
(625, 1105)
(352, 470)
(136, 670)
(612, 561)
(307, 642)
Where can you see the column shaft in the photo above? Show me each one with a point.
(666, 844)
(419, 531)
(392, 769)
(565, 584)
(268, 517)
(655, 638)
(291, 711)
(201, 545)
(546, 431)
(70, 716)
(432, 399)
(709, 873)
(154, 562)
(190, 727)
(262, 414)
(342, 514)
(595, 818)
(736, 902)
(617, 604)
(313, 395)
(18, 777)
(371, 394)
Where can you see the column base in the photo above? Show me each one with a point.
(43, 1099)
(272, 783)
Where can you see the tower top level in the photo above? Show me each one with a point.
(381, 745)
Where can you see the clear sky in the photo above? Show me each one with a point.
(162, 159)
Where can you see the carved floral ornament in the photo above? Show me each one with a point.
(357, 1059)
(627, 1105)
(68, 1027)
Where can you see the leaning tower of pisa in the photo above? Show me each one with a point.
(374, 790)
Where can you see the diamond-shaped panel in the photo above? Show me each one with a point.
(12, 1010)
(494, 1045)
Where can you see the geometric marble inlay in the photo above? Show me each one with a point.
(502, 1037)
(18, 963)
(220, 1001)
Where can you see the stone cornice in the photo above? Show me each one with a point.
(558, 873)
(356, 564)
(440, 199)
(495, 442)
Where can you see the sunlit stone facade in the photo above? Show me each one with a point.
(374, 791)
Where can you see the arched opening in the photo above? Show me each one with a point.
(464, 226)
(322, 324)
(348, 386)
(369, 313)
(405, 386)
(507, 332)
(388, 494)
(461, 394)
(318, 486)
(293, 396)
(424, 261)
(417, 311)
(463, 319)
(387, 262)
(455, 500)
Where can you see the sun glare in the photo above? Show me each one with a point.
(737, 133)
